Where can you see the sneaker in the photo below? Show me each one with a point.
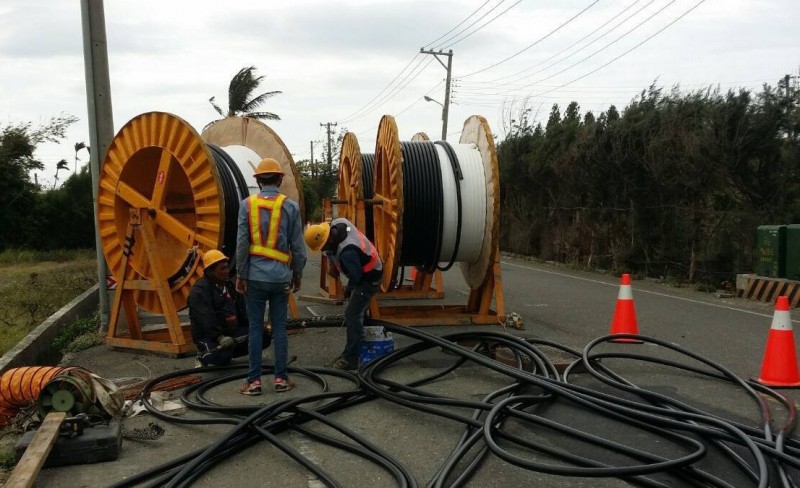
(342, 363)
(251, 389)
(282, 385)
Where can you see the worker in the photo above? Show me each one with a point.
(356, 257)
(217, 315)
(270, 257)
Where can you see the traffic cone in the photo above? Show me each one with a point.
(780, 358)
(624, 321)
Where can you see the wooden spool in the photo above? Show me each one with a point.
(256, 135)
(483, 276)
(388, 215)
(161, 205)
(350, 188)
(158, 162)
(476, 131)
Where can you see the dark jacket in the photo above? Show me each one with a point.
(214, 311)
(351, 259)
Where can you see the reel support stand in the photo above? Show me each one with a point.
(140, 227)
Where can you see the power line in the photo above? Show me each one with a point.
(574, 43)
(352, 116)
(395, 91)
(593, 41)
(628, 51)
(535, 42)
(595, 52)
(484, 25)
(345, 119)
(460, 23)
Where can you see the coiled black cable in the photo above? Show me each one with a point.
(234, 190)
(534, 390)
(423, 200)
(368, 186)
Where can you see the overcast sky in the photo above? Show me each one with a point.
(339, 60)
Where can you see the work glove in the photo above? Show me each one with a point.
(226, 342)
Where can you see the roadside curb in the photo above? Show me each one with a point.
(35, 348)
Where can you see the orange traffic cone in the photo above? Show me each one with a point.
(780, 358)
(624, 321)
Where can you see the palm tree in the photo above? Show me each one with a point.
(240, 99)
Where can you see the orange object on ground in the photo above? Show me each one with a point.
(624, 321)
(20, 387)
(779, 367)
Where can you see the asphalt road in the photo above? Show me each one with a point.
(557, 303)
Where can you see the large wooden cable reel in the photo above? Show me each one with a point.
(262, 140)
(388, 194)
(162, 203)
(350, 186)
(389, 186)
(159, 163)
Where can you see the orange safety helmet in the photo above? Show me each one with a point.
(317, 235)
(212, 257)
(268, 166)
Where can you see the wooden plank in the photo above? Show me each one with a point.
(27, 469)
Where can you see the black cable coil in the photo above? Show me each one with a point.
(536, 418)
(423, 201)
(234, 190)
(367, 178)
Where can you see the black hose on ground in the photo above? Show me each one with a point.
(507, 422)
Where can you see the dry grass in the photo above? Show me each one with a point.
(35, 285)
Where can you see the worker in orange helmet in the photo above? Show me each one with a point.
(356, 257)
(270, 257)
(217, 315)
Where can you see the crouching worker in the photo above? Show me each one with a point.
(217, 314)
(354, 256)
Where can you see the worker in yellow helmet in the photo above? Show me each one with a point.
(270, 257)
(356, 257)
(217, 314)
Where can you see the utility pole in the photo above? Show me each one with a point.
(101, 122)
(330, 144)
(449, 68)
(313, 166)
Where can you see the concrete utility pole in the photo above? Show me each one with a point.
(313, 167)
(449, 68)
(330, 144)
(101, 122)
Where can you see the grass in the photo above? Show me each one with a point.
(34, 285)
(79, 335)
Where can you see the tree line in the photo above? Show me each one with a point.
(32, 216)
(674, 185)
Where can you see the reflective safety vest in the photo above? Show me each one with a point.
(356, 238)
(258, 246)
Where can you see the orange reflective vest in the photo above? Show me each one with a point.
(258, 245)
(355, 237)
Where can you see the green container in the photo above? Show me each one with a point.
(771, 251)
(793, 251)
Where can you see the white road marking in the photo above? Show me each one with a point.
(699, 302)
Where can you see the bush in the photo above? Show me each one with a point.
(79, 335)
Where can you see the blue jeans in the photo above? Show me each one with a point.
(208, 353)
(354, 317)
(258, 294)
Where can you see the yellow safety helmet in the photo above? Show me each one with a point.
(268, 166)
(317, 235)
(212, 257)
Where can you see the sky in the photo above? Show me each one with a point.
(352, 61)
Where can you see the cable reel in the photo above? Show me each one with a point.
(166, 196)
